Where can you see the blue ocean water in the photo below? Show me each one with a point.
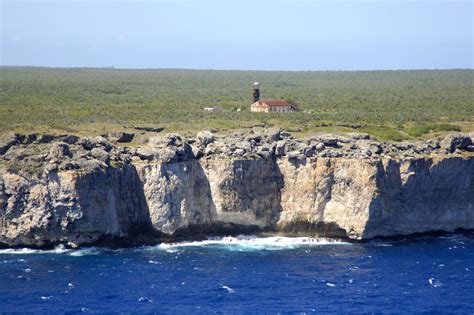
(245, 274)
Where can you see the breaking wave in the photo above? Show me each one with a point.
(244, 242)
(57, 250)
(238, 243)
(19, 251)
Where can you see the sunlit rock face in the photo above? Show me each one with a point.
(91, 192)
(419, 195)
(71, 207)
(383, 197)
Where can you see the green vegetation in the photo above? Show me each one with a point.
(385, 132)
(388, 104)
(417, 130)
(32, 168)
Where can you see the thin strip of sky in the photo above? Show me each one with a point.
(231, 34)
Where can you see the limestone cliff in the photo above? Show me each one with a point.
(90, 191)
(71, 207)
(380, 197)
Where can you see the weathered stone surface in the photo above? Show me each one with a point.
(310, 150)
(320, 147)
(27, 139)
(45, 138)
(453, 142)
(89, 190)
(145, 154)
(376, 148)
(70, 139)
(6, 142)
(163, 141)
(97, 142)
(69, 208)
(166, 154)
(89, 166)
(119, 136)
(293, 154)
(359, 136)
(239, 152)
(16, 153)
(100, 154)
(273, 134)
(59, 150)
(206, 137)
(280, 148)
(196, 151)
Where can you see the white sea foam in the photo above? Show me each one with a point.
(229, 289)
(57, 250)
(19, 251)
(245, 242)
(145, 299)
(84, 252)
(435, 283)
(238, 243)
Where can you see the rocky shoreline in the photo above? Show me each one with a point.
(105, 190)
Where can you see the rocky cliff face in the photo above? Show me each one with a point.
(71, 207)
(380, 197)
(88, 190)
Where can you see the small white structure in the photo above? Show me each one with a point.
(212, 109)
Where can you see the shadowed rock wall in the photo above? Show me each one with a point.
(91, 191)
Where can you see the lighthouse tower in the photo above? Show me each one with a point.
(256, 92)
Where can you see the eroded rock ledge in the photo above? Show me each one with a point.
(77, 191)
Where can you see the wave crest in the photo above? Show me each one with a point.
(238, 243)
(20, 251)
(57, 250)
(245, 242)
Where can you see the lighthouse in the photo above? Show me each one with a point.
(268, 105)
(256, 92)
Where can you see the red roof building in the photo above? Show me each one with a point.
(271, 106)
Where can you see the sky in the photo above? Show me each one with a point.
(233, 34)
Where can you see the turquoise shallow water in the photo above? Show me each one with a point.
(246, 274)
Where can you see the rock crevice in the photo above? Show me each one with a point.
(82, 191)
